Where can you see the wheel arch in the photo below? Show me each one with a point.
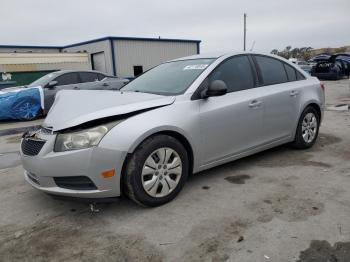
(314, 105)
(175, 134)
(184, 141)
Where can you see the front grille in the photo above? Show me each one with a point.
(33, 178)
(75, 182)
(31, 147)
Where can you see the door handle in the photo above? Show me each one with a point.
(255, 104)
(294, 93)
(76, 87)
(105, 84)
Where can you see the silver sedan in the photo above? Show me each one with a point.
(179, 118)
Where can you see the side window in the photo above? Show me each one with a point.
(101, 76)
(236, 73)
(272, 70)
(67, 79)
(300, 76)
(291, 73)
(88, 77)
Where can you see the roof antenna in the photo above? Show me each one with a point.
(251, 49)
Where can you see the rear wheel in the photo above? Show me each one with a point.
(307, 130)
(156, 171)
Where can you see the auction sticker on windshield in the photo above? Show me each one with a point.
(196, 67)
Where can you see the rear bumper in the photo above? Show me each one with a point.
(41, 169)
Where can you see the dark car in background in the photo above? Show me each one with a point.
(331, 67)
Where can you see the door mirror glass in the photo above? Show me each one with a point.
(216, 88)
(52, 84)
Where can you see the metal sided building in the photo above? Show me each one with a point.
(131, 56)
(125, 57)
(21, 66)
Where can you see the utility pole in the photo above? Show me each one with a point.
(245, 31)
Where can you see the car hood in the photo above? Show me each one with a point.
(72, 108)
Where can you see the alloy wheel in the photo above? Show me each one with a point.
(309, 127)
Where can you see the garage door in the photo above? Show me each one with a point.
(98, 61)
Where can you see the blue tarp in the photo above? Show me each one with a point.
(20, 104)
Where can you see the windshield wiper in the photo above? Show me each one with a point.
(138, 91)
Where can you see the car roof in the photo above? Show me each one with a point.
(61, 72)
(216, 55)
(224, 55)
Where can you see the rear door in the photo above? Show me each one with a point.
(281, 97)
(231, 124)
(69, 81)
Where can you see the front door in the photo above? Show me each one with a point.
(231, 124)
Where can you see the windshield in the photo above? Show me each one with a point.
(170, 78)
(43, 81)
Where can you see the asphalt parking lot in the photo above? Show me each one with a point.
(279, 205)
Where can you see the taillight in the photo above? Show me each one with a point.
(322, 86)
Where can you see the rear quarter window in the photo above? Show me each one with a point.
(291, 72)
(300, 76)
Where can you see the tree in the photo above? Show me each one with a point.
(303, 53)
(340, 49)
(274, 52)
(295, 52)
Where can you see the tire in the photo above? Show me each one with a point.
(156, 171)
(304, 138)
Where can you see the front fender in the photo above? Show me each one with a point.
(181, 118)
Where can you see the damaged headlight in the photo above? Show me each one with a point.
(82, 139)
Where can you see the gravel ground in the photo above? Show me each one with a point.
(279, 205)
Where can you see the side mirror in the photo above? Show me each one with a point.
(216, 88)
(52, 84)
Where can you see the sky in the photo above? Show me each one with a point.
(219, 23)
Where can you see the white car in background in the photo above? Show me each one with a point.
(302, 64)
(36, 99)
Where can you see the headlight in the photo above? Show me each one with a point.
(82, 139)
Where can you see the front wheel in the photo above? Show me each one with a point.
(156, 171)
(307, 130)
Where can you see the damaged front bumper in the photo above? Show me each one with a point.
(76, 173)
